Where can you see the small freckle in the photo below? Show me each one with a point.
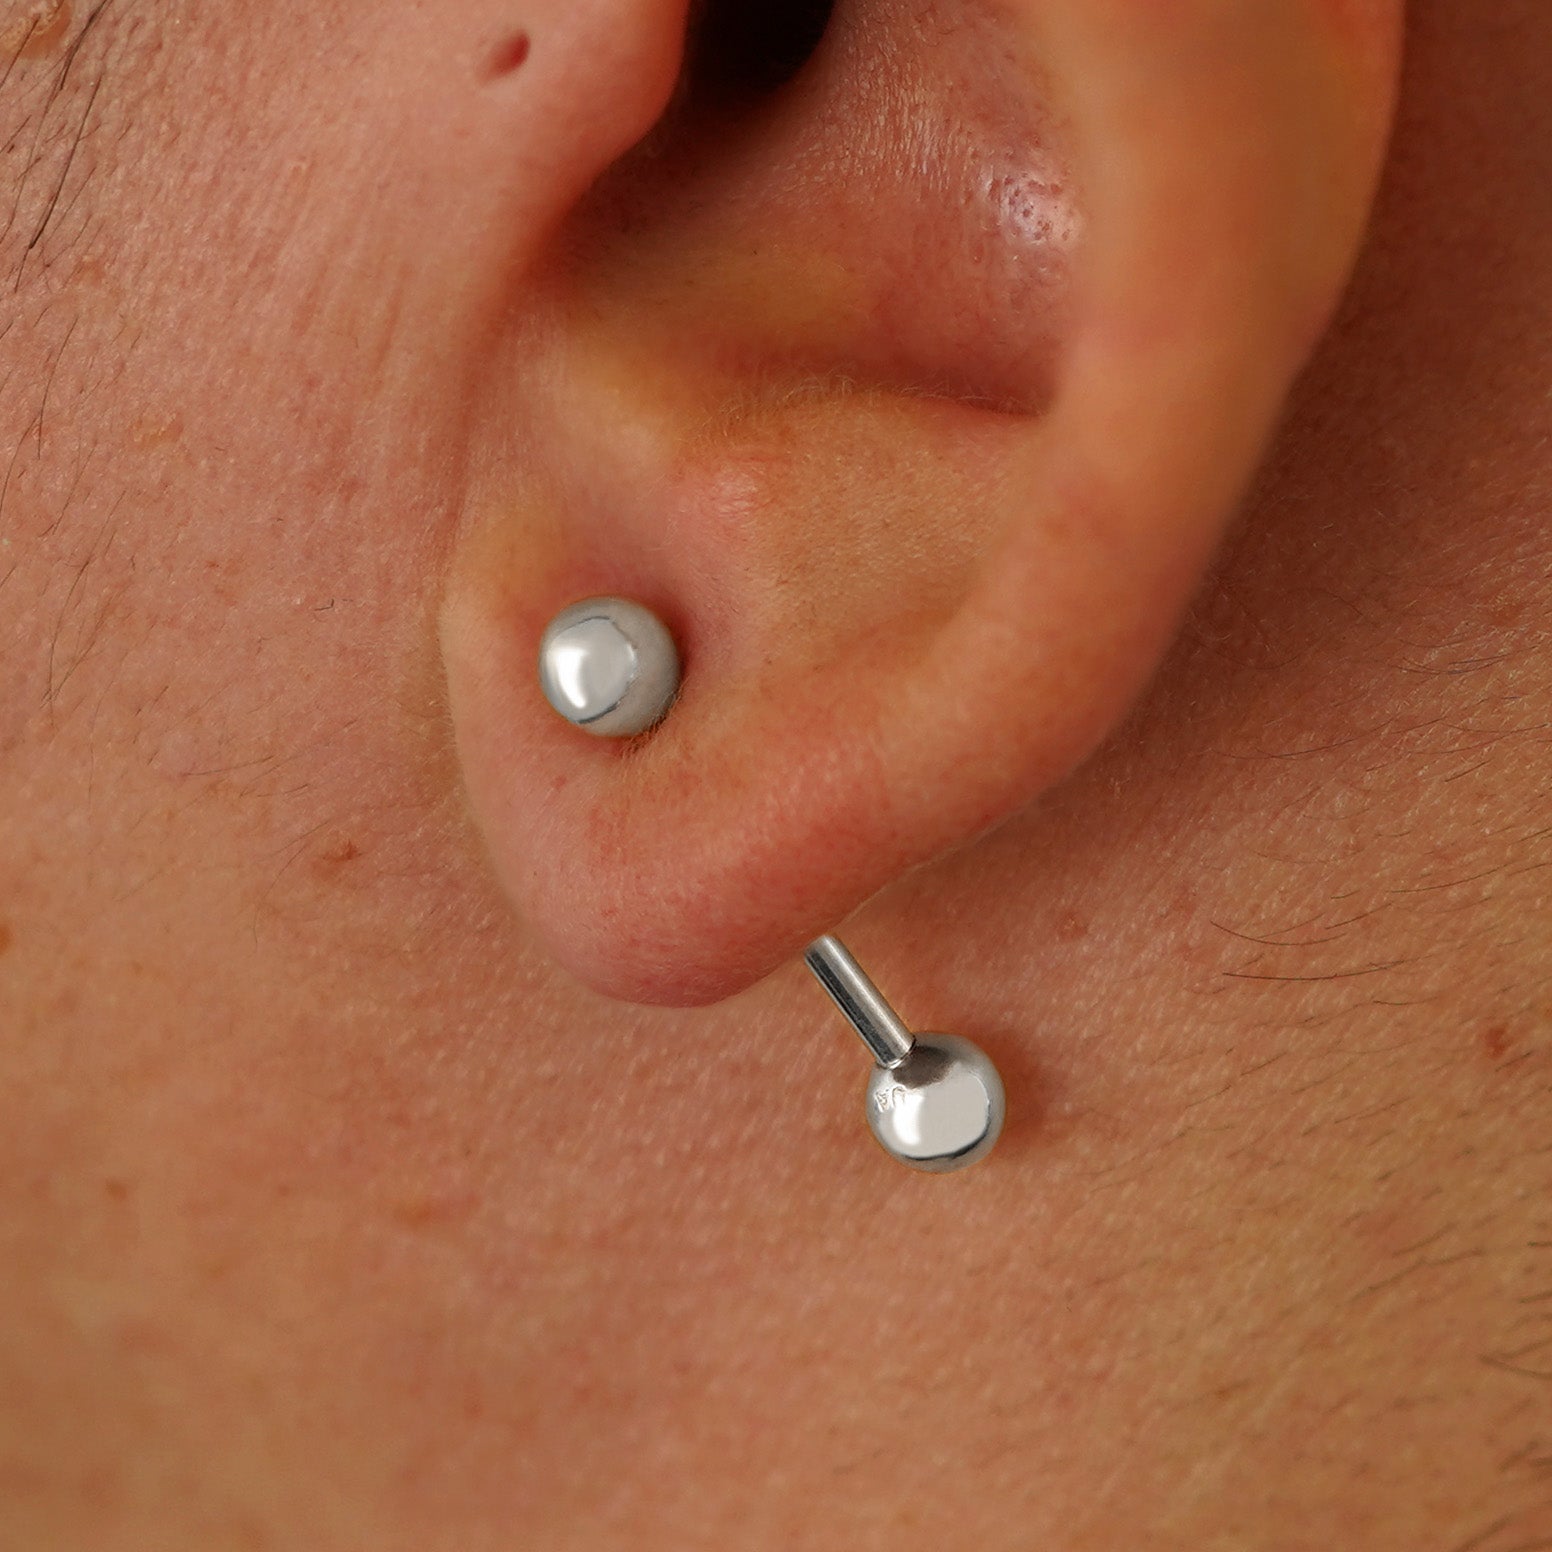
(116, 1190)
(152, 431)
(339, 855)
(509, 55)
(1071, 927)
(6, 938)
(1495, 1040)
(432, 1212)
(89, 273)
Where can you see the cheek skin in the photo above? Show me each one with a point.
(39, 29)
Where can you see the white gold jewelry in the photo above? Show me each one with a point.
(935, 1102)
(609, 666)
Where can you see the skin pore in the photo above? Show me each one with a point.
(334, 1214)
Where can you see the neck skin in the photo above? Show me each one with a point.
(414, 1244)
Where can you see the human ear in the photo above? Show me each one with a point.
(912, 392)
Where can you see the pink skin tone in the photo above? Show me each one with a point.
(339, 1210)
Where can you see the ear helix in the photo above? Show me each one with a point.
(934, 1102)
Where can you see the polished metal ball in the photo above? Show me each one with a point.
(940, 1109)
(609, 666)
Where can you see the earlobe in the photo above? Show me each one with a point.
(914, 575)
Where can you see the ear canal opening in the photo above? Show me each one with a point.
(744, 48)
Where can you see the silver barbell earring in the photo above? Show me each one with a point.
(934, 1102)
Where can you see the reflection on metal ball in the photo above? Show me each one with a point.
(609, 666)
(941, 1109)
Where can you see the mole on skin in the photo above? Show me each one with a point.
(509, 55)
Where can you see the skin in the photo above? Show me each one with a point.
(344, 1207)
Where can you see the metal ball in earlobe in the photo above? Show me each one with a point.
(609, 666)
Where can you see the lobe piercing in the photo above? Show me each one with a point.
(609, 666)
(935, 1102)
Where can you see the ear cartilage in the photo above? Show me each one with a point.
(934, 1102)
(609, 666)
